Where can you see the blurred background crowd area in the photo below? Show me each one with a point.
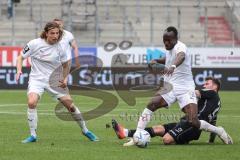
(201, 23)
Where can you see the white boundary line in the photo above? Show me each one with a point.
(107, 115)
(23, 104)
(41, 104)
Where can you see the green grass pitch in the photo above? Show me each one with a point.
(63, 140)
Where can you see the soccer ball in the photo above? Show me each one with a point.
(141, 138)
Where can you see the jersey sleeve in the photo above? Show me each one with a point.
(181, 48)
(70, 37)
(27, 50)
(207, 94)
(63, 55)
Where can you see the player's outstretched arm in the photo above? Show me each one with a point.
(19, 66)
(75, 50)
(63, 83)
(179, 59)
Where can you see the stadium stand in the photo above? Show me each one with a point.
(95, 22)
(219, 31)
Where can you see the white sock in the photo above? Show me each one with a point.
(79, 119)
(144, 119)
(208, 127)
(125, 132)
(32, 121)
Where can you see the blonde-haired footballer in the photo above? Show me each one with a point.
(47, 56)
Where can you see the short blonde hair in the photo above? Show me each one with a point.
(57, 19)
(49, 26)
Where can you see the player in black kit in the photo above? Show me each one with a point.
(182, 132)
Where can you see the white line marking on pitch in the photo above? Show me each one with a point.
(41, 104)
(107, 115)
(22, 104)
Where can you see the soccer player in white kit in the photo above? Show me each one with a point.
(68, 43)
(47, 56)
(178, 73)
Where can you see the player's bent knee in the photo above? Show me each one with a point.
(151, 106)
(32, 100)
(192, 116)
(194, 123)
(32, 103)
(168, 139)
(156, 102)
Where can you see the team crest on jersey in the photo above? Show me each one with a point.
(26, 49)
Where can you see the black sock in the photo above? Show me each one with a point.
(149, 130)
(131, 132)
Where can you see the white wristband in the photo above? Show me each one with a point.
(174, 66)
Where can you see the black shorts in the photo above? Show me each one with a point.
(182, 132)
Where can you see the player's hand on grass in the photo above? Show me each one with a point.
(63, 83)
(18, 75)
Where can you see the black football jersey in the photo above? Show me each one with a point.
(208, 105)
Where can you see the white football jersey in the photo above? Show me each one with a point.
(66, 43)
(182, 77)
(45, 58)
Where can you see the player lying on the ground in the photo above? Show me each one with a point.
(183, 132)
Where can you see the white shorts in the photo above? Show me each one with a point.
(39, 87)
(183, 97)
